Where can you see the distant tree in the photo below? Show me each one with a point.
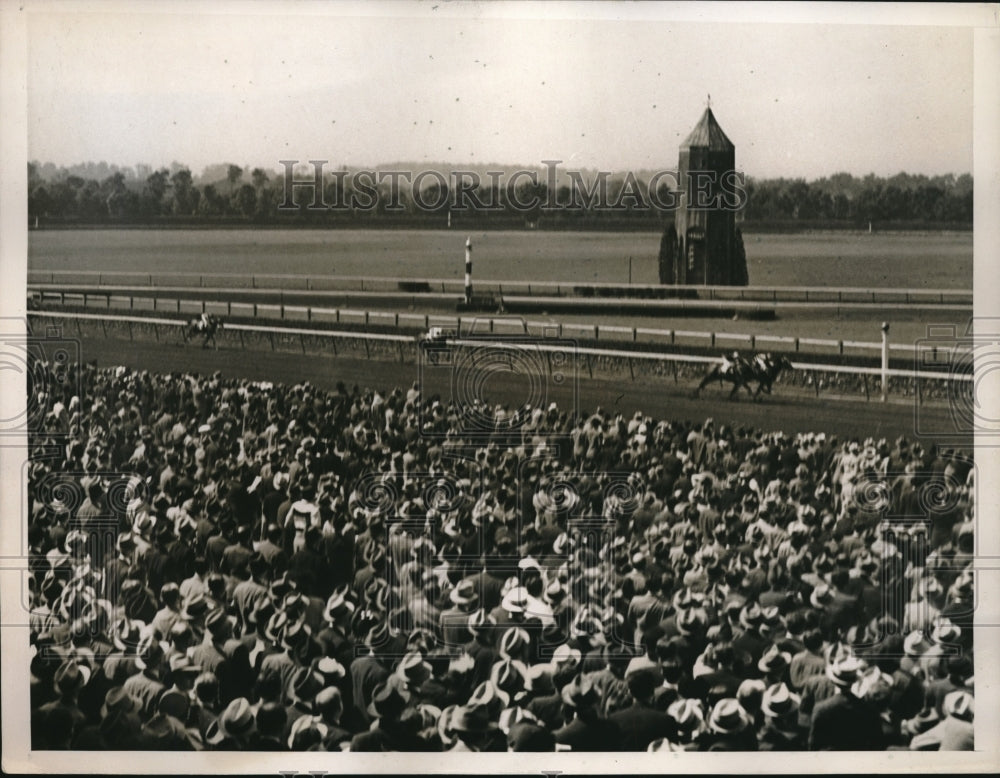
(34, 176)
(259, 178)
(91, 205)
(151, 200)
(157, 182)
(123, 205)
(210, 203)
(183, 186)
(39, 202)
(841, 207)
(245, 202)
(116, 200)
(963, 184)
(266, 205)
(233, 174)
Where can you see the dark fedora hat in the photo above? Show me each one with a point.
(580, 693)
(117, 699)
(295, 635)
(472, 719)
(305, 685)
(389, 700)
(465, 593)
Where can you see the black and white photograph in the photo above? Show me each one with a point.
(502, 387)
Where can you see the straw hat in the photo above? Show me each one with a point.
(728, 717)
(510, 677)
(311, 724)
(945, 631)
(413, 670)
(779, 701)
(689, 715)
(565, 654)
(959, 704)
(751, 616)
(71, 676)
(774, 660)
(237, 720)
(330, 669)
(916, 644)
(464, 593)
(873, 685)
(922, 722)
(821, 596)
(844, 672)
(516, 600)
(513, 642)
(487, 695)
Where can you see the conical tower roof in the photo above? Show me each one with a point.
(707, 134)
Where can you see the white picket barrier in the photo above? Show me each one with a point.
(538, 344)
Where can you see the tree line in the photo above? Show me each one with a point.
(229, 193)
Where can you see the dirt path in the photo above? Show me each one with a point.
(658, 398)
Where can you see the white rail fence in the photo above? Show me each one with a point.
(937, 352)
(837, 379)
(531, 288)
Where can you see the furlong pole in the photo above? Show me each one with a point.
(468, 271)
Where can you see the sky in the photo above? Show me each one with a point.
(610, 86)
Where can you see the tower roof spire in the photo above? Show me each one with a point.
(707, 134)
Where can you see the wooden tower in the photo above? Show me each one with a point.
(703, 246)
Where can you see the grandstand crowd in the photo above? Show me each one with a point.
(221, 564)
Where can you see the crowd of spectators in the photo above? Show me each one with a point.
(225, 564)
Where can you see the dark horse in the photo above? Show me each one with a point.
(766, 368)
(734, 370)
(762, 369)
(206, 325)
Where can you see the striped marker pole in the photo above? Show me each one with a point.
(468, 271)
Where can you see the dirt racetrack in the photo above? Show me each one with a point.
(661, 399)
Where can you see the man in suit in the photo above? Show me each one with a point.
(588, 730)
(455, 620)
(845, 722)
(956, 732)
(641, 723)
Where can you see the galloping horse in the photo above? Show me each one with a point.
(206, 325)
(766, 369)
(762, 369)
(735, 370)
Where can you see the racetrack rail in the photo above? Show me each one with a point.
(536, 344)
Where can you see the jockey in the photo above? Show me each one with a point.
(203, 321)
(730, 361)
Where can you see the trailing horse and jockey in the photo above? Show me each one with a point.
(206, 325)
(762, 369)
(766, 368)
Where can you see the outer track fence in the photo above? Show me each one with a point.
(553, 357)
(929, 352)
(455, 286)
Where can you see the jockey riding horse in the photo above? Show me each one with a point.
(734, 369)
(761, 369)
(206, 324)
(766, 368)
